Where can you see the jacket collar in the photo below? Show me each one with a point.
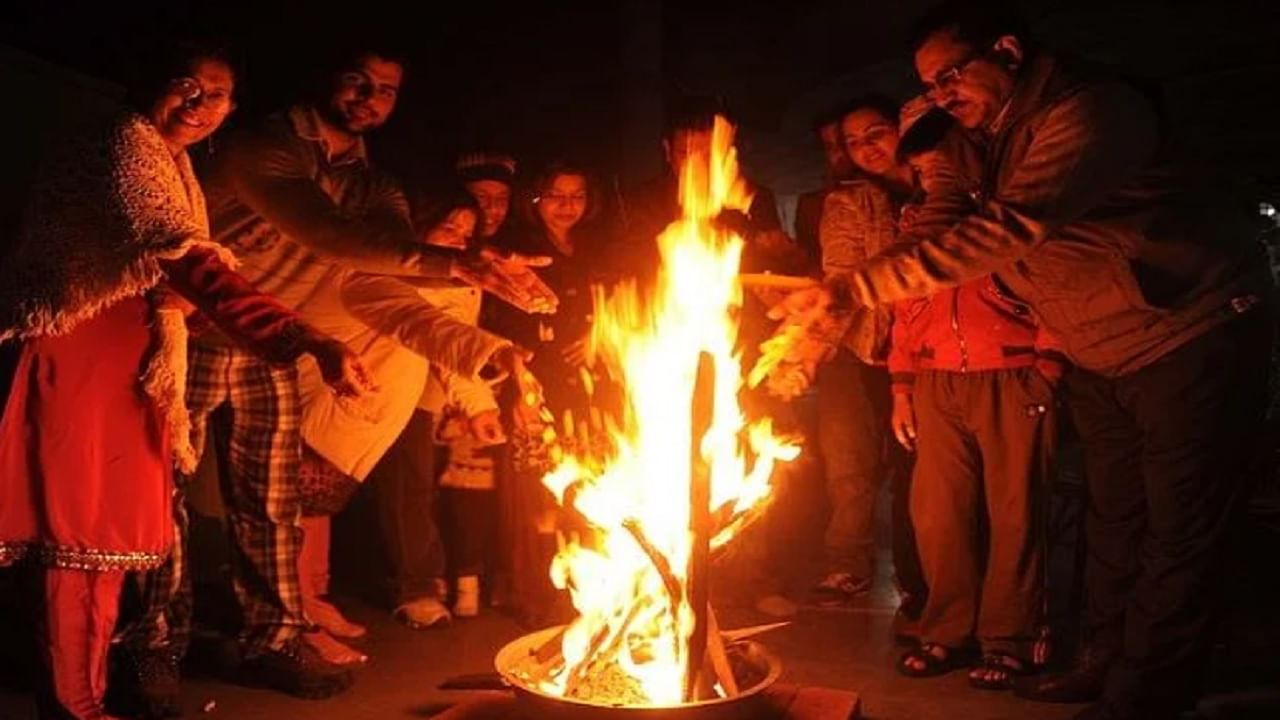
(1042, 79)
(306, 123)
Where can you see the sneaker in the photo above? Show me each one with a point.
(423, 613)
(298, 669)
(466, 602)
(839, 589)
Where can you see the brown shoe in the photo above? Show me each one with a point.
(298, 669)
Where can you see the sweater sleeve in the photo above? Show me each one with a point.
(246, 315)
(393, 307)
(902, 370)
(270, 175)
(1083, 148)
(843, 231)
(471, 394)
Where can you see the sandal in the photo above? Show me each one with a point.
(932, 664)
(998, 671)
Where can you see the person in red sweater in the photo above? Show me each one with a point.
(974, 378)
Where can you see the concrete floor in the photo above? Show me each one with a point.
(849, 649)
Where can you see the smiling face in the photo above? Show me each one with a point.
(364, 96)
(870, 141)
(495, 202)
(563, 203)
(191, 107)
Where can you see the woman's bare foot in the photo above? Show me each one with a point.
(332, 650)
(327, 616)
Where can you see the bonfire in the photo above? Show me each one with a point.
(683, 471)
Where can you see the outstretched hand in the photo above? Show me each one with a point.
(510, 277)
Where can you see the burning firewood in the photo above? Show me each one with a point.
(646, 634)
(697, 584)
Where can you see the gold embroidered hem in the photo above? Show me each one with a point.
(69, 558)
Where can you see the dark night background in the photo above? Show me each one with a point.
(588, 79)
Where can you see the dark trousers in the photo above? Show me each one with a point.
(404, 490)
(469, 519)
(1166, 451)
(908, 573)
(985, 444)
(853, 422)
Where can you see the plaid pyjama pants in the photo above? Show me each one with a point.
(261, 493)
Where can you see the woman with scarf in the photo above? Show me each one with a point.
(114, 252)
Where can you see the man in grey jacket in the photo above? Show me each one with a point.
(1156, 286)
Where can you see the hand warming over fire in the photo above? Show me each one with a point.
(509, 277)
(508, 361)
(813, 324)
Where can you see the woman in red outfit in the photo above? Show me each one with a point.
(95, 420)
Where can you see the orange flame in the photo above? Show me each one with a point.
(652, 343)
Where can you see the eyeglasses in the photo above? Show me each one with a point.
(946, 80)
(194, 94)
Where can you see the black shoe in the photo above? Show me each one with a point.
(144, 683)
(1081, 683)
(297, 669)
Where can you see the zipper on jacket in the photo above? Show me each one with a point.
(955, 328)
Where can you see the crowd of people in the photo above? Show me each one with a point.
(1017, 243)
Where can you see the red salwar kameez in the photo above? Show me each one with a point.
(86, 462)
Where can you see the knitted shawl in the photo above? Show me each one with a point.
(105, 210)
